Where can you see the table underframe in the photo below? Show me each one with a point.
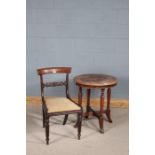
(98, 114)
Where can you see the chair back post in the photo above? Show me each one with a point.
(67, 85)
(42, 94)
(42, 89)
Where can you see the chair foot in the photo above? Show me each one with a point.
(47, 142)
(79, 137)
(101, 130)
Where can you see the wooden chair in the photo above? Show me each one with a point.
(58, 105)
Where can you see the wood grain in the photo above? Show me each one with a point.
(95, 80)
(49, 70)
(120, 103)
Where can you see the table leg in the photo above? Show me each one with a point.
(88, 103)
(80, 96)
(101, 120)
(79, 102)
(108, 113)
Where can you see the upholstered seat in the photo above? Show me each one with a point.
(60, 104)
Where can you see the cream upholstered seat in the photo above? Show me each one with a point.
(60, 104)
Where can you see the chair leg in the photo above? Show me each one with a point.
(47, 130)
(79, 125)
(43, 118)
(76, 124)
(65, 119)
(80, 103)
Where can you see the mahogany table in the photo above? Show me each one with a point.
(96, 81)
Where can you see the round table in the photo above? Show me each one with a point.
(96, 81)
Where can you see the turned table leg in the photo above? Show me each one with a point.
(108, 113)
(101, 120)
(80, 96)
(88, 103)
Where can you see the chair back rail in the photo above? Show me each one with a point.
(54, 70)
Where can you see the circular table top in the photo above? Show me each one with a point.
(95, 80)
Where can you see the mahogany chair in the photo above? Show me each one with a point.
(55, 106)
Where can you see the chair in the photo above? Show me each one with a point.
(58, 105)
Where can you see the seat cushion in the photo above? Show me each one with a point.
(59, 104)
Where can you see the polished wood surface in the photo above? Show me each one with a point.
(53, 70)
(95, 80)
(101, 82)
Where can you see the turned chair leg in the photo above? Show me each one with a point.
(47, 130)
(65, 119)
(43, 117)
(79, 125)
